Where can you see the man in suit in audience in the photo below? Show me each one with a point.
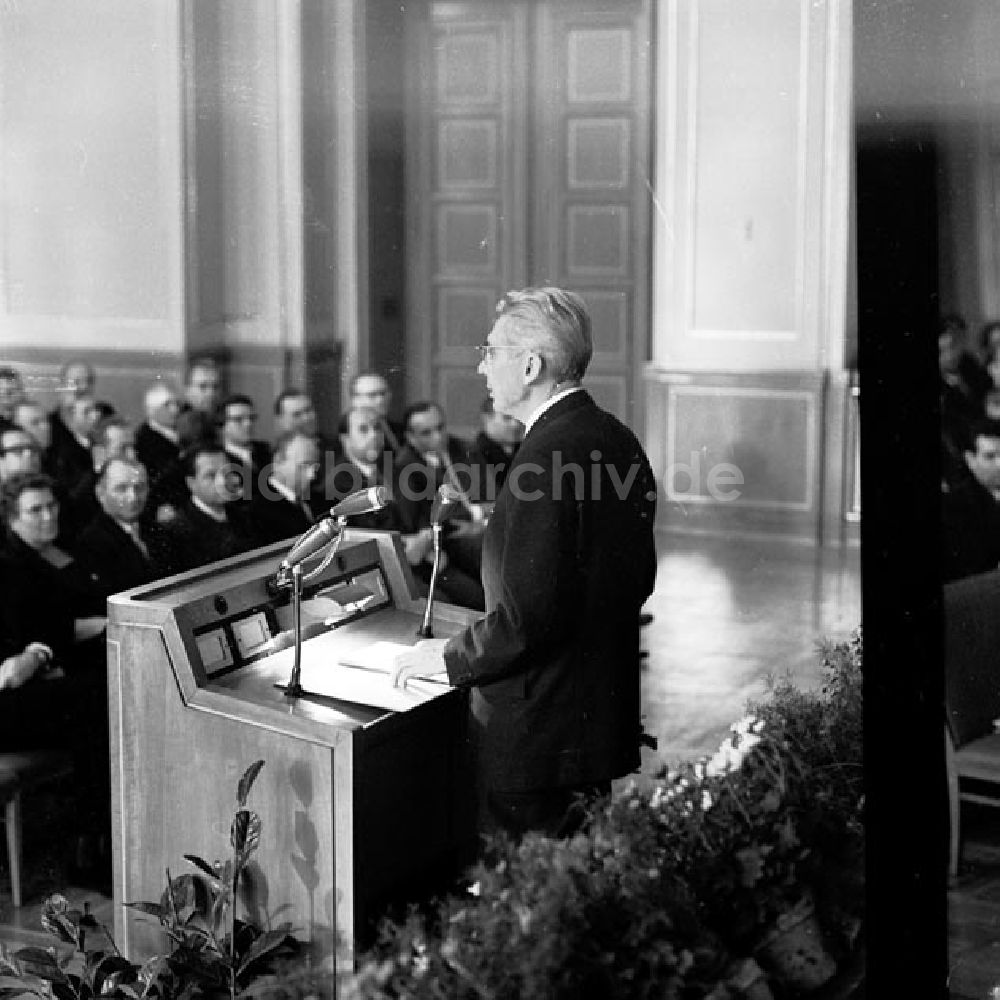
(76, 380)
(119, 553)
(158, 447)
(156, 441)
(71, 454)
(113, 437)
(971, 508)
(294, 411)
(363, 462)
(430, 458)
(210, 525)
(553, 667)
(19, 452)
(199, 416)
(281, 509)
(492, 451)
(11, 391)
(371, 391)
(29, 414)
(250, 455)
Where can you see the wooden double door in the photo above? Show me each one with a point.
(527, 161)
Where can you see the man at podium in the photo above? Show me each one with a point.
(568, 561)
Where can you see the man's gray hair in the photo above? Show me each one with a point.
(554, 323)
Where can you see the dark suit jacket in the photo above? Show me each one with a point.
(488, 464)
(415, 483)
(154, 451)
(115, 560)
(274, 520)
(260, 458)
(554, 665)
(70, 460)
(971, 530)
(348, 478)
(193, 538)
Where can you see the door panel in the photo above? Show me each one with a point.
(487, 212)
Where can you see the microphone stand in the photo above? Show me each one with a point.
(425, 631)
(294, 689)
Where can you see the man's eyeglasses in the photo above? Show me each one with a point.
(20, 449)
(487, 352)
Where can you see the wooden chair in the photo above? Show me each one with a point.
(19, 773)
(972, 697)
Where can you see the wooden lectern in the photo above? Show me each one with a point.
(358, 802)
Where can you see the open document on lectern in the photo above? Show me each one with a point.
(362, 675)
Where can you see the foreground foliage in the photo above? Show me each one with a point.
(213, 953)
(674, 883)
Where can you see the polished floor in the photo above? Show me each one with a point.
(728, 613)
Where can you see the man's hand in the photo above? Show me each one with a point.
(422, 660)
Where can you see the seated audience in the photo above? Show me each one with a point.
(209, 526)
(371, 390)
(71, 457)
(199, 416)
(363, 463)
(76, 379)
(11, 391)
(114, 547)
(156, 440)
(280, 510)
(52, 625)
(429, 459)
(56, 599)
(294, 411)
(971, 508)
(28, 413)
(158, 445)
(989, 338)
(492, 451)
(19, 452)
(251, 456)
(114, 437)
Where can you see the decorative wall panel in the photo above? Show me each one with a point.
(598, 153)
(766, 438)
(468, 67)
(597, 241)
(749, 452)
(467, 239)
(599, 65)
(467, 154)
(465, 316)
(610, 325)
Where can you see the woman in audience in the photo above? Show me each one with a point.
(52, 656)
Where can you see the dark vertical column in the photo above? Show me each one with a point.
(386, 187)
(900, 475)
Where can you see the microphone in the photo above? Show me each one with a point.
(447, 496)
(362, 502)
(320, 535)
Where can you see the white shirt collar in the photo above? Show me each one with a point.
(550, 402)
(205, 509)
(84, 441)
(168, 432)
(284, 491)
(241, 451)
(368, 468)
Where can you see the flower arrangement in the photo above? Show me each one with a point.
(678, 883)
